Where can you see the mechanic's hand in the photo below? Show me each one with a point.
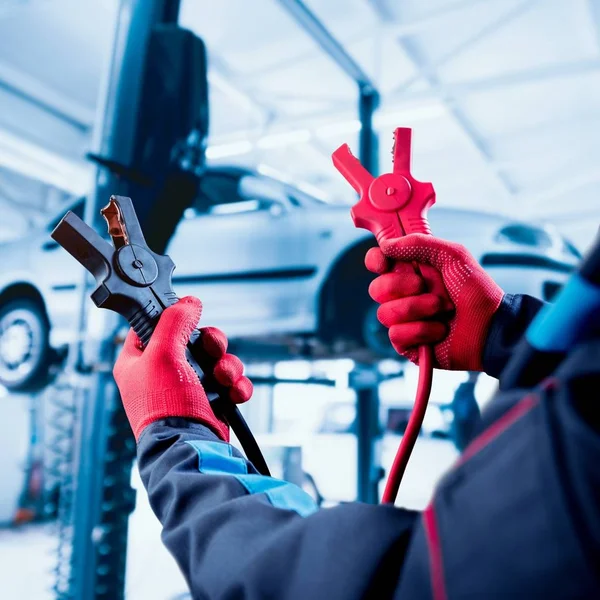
(449, 306)
(158, 382)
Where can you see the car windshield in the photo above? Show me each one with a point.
(272, 185)
(299, 197)
(218, 190)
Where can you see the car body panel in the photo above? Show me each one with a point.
(259, 259)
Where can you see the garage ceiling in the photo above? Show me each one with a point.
(503, 95)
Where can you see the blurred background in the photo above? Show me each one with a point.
(219, 119)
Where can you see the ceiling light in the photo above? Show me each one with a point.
(231, 91)
(269, 171)
(410, 115)
(40, 164)
(286, 138)
(233, 149)
(333, 129)
(235, 207)
(312, 190)
(397, 118)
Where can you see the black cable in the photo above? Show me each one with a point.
(247, 440)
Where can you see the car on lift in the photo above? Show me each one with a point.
(268, 260)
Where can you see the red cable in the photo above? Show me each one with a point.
(414, 425)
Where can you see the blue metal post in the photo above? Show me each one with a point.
(103, 497)
(365, 381)
(368, 144)
(368, 102)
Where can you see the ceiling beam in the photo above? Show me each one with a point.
(426, 22)
(506, 80)
(33, 161)
(221, 77)
(504, 19)
(46, 98)
(328, 43)
(457, 114)
(594, 10)
(561, 186)
(458, 89)
(428, 72)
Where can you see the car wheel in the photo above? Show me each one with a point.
(374, 334)
(24, 345)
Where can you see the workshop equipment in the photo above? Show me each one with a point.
(136, 283)
(391, 206)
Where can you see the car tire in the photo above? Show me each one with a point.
(24, 345)
(374, 335)
(348, 312)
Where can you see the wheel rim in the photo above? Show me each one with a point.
(20, 344)
(375, 334)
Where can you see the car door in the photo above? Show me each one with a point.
(241, 249)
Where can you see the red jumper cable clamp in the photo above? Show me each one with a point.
(391, 206)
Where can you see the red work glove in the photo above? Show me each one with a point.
(450, 305)
(158, 382)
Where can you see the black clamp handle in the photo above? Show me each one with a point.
(135, 282)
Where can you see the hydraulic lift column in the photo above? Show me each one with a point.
(368, 102)
(368, 146)
(365, 379)
(104, 450)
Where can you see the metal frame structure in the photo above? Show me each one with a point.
(103, 497)
(428, 72)
(368, 96)
(72, 115)
(368, 431)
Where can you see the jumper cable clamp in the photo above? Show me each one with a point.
(135, 282)
(391, 206)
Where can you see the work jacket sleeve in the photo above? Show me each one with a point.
(518, 516)
(507, 327)
(238, 534)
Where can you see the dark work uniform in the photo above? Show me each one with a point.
(518, 517)
(466, 414)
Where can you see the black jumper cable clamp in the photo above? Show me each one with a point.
(135, 282)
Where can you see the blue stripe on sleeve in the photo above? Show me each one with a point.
(558, 326)
(216, 458)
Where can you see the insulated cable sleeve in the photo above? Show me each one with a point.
(414, 426)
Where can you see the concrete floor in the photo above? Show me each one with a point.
(27, 558)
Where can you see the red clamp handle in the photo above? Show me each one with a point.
(391, 205)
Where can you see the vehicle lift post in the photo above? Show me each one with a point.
(104, 447)
(368, 96)
(368, 102)
(365, 379)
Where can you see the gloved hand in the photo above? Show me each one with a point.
(450, 305)
(158, 382)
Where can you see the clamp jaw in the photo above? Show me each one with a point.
(135, 282)
(132, 280)
(391, 205)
